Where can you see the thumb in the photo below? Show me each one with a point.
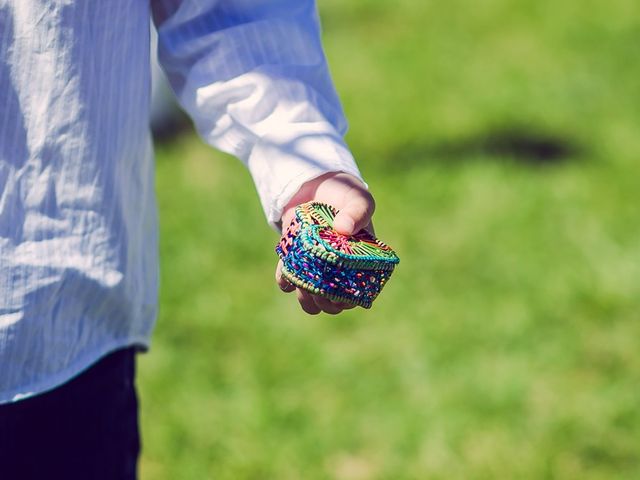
(355, 214)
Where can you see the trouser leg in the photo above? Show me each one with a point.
(84, 429)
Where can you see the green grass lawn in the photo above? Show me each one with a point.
(501, 142)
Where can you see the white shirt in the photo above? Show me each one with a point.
(78, 231)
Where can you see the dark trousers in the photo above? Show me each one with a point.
(85, 429)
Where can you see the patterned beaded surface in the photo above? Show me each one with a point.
(351, 269)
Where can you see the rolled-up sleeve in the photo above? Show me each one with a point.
(253, 76)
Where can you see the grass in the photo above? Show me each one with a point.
(500, 139)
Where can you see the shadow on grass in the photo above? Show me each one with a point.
(521, 146)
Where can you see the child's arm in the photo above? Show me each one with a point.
(253, 76)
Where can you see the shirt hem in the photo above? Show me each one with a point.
(76, 368)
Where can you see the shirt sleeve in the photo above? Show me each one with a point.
(253, 76)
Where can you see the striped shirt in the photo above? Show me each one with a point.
(78, 227)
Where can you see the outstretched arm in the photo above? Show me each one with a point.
(253, 77)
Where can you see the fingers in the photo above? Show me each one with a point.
(356, 213)
(282, 282)
(307, 303)
(327, 306)
(346, 306)
(331, 307)
(312, 304)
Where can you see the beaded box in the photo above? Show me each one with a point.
(351, 269)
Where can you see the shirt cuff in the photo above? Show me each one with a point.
(281, 162)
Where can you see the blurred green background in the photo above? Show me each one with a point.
(501, 141)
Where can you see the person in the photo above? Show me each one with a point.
(78, 228)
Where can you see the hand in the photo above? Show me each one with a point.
(355, 204)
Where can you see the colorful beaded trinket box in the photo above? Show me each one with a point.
(351, 269)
